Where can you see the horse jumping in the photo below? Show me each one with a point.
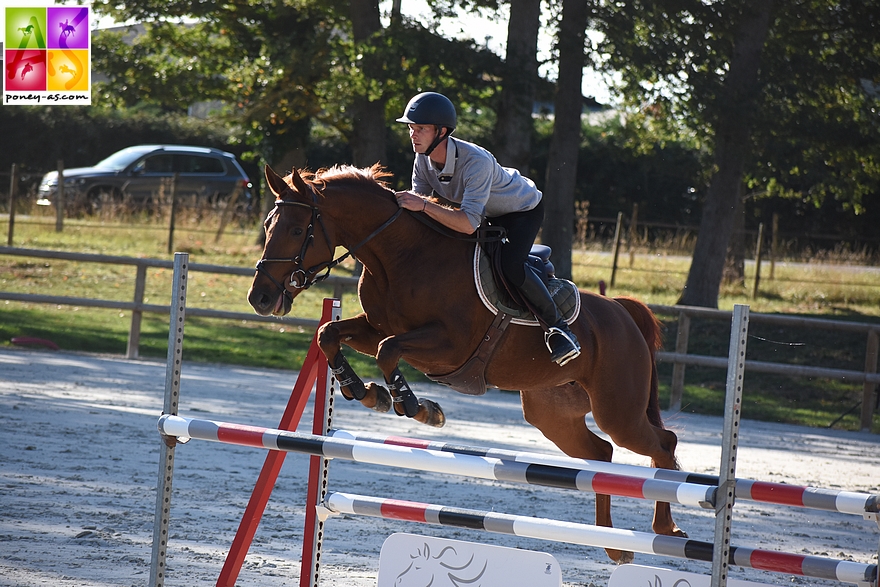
(420, 305)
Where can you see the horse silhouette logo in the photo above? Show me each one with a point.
(65, 69)
(678, 583)
(446, 569)
(66, 28)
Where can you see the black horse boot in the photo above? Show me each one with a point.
(560, 340)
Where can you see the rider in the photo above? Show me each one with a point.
(469, 175)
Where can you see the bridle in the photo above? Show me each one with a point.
(301, 278)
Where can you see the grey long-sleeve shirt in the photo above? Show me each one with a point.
(475, 180)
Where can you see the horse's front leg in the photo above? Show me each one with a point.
(414, 344)
(358, 334)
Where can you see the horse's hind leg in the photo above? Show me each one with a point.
(559, 414)
(641, 436)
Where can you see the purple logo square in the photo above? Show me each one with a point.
(68, 27)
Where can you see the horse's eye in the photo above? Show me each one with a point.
(296, 231)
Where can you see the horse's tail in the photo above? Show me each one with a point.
(650, 327)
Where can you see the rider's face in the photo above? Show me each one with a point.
(422, 135)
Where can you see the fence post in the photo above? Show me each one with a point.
(59, 198)
(173, 213)
(868, 390)
(616, 251)
(227, 212)
(774, 245)
(758, 260)
(134, 332)
(633, 234)
(13, 192)
(681, 347)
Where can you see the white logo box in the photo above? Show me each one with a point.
(412, 560)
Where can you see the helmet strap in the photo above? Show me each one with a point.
(437, 140)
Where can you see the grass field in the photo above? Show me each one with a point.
(842, 292)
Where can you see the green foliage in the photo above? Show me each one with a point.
(168, 66)
(617, 169)
(282, 67)
(401, 61)
(816, 129)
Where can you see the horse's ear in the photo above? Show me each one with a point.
(298, 182)
(276, 182)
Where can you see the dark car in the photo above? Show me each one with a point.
(137, 174)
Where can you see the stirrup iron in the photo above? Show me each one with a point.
(565, 350)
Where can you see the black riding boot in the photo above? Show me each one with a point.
(560, 340)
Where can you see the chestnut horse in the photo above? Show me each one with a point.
(420, 305)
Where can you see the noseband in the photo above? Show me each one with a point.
(302, 278)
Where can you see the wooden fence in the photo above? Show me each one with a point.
(137, 307)
(680, 358)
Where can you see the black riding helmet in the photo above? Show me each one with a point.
(430, 108)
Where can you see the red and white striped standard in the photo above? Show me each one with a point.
(481, 467)
(847, 502)
(598, 536)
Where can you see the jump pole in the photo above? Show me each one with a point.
(474, 466)
(830, 500)
(862, 574)
(525, 526)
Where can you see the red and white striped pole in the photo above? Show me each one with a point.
(599, 536)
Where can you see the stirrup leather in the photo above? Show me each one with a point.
(566, 350)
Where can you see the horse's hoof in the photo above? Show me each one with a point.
(675, 531)
(430, 413)
(621, 557)
(381, 399)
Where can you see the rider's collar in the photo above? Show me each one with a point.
(445, 174)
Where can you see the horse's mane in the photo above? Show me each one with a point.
(373, 176)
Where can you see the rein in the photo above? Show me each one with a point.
(310, 277)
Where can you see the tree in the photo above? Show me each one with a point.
(368, 108)
(562, 160)
(514, 126)
(737, 99)
(742, 76)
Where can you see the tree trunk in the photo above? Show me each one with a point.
(735, 267)
(368, 138)
(562, 158)
(513, 128)
(732, 133)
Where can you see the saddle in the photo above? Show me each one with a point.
(507, 306)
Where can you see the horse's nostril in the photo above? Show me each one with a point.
(260, 301)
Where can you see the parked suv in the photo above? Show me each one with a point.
(136, 174)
